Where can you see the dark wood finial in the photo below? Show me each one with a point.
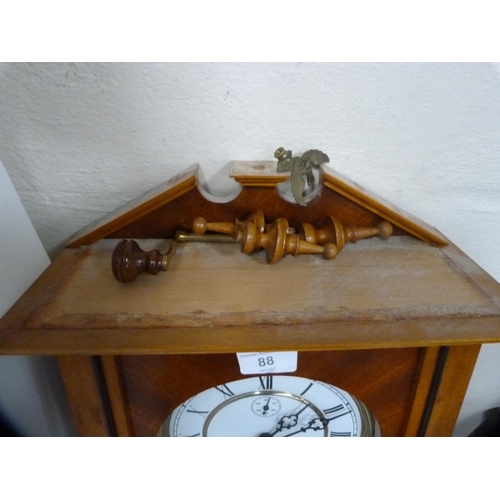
(129, 260)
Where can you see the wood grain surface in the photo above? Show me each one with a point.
(394, 293)
(385, 380)
(374, 320)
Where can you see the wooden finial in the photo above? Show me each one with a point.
(201, 225)
(333, 231)
(278, 241)
(129, 260)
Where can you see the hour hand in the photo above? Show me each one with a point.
(285, 422)
(289, 421)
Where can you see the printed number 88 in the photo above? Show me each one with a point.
(266, 361)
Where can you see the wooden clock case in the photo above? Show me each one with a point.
(398, 322)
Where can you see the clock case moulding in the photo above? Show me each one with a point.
(416, 279)
(174, 205)
(416, 276)
(384, 307)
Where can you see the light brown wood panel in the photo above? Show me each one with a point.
(84, 395)
(385, 380)
(211, 285)
(458, 368)
(364, 198)
(324, 336)
(138, 208)
(215, 299)
(116, 396)
(427, 371)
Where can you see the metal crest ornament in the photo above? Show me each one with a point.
(301, 168)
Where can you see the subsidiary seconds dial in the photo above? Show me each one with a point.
(271, 406)
(266, 406)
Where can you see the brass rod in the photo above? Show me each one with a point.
(183, 237)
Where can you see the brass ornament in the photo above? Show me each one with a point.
(301, 168)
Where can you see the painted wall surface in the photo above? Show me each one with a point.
(79, 140)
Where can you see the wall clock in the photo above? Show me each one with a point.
(406, 298)
(271, 406)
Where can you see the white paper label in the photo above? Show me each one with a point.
(253, 363)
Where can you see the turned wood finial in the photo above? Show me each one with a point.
(278, 241)
(129, 260)
(201, 225)
(333, 231)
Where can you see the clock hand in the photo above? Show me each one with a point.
(283, 424)
(293, 420)
(316, 424)
(265, 408)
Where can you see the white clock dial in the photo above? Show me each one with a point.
(232, 418)
(271, 406)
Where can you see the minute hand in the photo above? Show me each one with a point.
(316, 424)
(293, 419)
(292, 422)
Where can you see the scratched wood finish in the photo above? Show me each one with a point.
(211, 285)
(215, 299)
(418, 296)
(385, 380)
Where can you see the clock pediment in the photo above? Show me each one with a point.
(174, 204)
(397, 322)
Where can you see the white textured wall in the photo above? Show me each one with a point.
(79, 140)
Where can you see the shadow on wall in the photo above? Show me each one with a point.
(490, 426)
(7, 429)
(33, 402)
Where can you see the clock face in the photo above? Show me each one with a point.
(271, 406)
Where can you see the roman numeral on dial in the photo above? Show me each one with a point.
(333, 412)
(266, 382)
(225, 390)
(306, 389)
(334, 409)
(192, 410)
(340, 434)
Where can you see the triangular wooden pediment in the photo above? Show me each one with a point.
(173, 205)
